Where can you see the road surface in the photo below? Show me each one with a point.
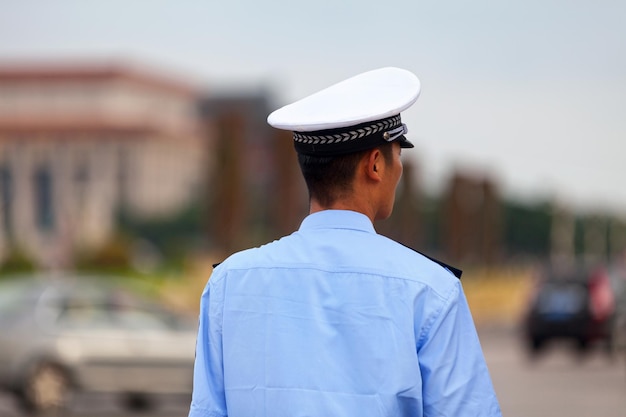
(559, 383)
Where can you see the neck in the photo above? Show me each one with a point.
(360, 205)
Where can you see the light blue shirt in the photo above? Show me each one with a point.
(336, 320)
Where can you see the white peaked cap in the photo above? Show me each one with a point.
(355, 114)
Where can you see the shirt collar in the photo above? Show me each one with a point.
(338, 219)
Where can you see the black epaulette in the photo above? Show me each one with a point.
(455, 271)
(215, 265)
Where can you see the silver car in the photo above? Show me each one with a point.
(59, 336)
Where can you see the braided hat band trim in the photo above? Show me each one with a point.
(353, 132)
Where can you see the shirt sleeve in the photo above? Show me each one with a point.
(208, 399)
(456, 381)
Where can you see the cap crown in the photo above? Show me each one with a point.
(370, 96)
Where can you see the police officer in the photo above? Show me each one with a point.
(335, 319)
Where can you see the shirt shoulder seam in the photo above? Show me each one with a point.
(381, 274)
(446, 300)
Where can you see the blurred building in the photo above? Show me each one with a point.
(472, 230)
(256, 192)
(80, 143)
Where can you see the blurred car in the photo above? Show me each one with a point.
(60, 336)
(617, 274)
(575, 304)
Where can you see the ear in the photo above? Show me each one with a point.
(374, 165)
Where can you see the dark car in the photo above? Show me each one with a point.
(62, 335)
(574, 303)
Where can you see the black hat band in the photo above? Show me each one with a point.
(351, 139)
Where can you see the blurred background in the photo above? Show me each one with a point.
(134, 147)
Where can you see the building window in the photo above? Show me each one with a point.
(43, 199)
(6, 199)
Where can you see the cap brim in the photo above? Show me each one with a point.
(404, 142)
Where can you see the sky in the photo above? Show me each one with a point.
(531, 94)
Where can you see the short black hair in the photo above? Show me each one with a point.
(328, 178)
